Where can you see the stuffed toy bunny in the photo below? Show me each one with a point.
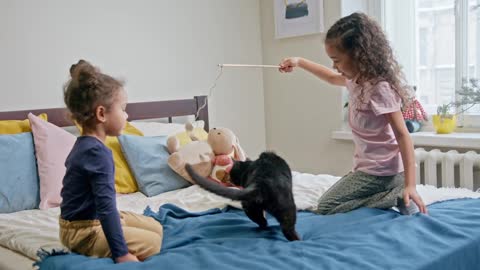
(226, 148)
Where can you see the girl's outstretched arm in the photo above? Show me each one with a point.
(408, 157)
(318, 70)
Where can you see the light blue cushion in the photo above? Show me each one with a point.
(147, 158)
(19, 186)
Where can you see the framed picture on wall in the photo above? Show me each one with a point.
(298, 17)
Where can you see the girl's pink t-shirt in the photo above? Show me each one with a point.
(376, 149)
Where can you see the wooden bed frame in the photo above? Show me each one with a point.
(136, 111)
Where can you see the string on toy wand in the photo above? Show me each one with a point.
(210, 91)
(221, 66)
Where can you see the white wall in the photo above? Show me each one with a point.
(164, 50)
(302, 111)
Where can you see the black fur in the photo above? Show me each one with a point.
(267, 184)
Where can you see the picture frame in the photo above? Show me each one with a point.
(298, 17)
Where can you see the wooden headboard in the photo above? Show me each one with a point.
(136, 111)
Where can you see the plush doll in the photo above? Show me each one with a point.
(191, 134)
(226, 148)
(196, 152)
(414, 115)
(210, 158)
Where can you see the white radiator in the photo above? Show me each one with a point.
(467, 165)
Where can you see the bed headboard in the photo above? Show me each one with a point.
(136, 111)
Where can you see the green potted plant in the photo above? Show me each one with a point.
(469, 95)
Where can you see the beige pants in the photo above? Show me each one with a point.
(143, 236)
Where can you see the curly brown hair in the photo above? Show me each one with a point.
(87, 89)
(363, 40)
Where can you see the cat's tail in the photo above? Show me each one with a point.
(212, 186)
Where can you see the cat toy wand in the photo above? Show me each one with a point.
(248, 66)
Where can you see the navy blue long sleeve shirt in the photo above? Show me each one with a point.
(89, 190)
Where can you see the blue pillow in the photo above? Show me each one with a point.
(147, 157)
(19, 189)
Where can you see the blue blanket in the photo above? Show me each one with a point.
(448, 238)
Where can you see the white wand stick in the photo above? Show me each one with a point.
(254, 66)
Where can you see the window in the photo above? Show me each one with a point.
(436, 42)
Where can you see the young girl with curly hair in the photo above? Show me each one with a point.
(383, 174)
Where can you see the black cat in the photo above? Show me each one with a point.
(267, 185)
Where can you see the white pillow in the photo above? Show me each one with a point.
(163, 129)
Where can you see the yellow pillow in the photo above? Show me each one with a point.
(124, 180)
(17, 126)
(184, 139)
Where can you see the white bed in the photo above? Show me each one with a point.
(23, 233)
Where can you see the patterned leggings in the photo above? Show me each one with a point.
(359, 189)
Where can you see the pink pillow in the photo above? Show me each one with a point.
(52, 146)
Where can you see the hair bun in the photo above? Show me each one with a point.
(84, 74)
(82, 68)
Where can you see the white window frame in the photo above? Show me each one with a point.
(378, 9)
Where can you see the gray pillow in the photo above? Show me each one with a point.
(147, 158)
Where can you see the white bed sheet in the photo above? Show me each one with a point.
(11, 260)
